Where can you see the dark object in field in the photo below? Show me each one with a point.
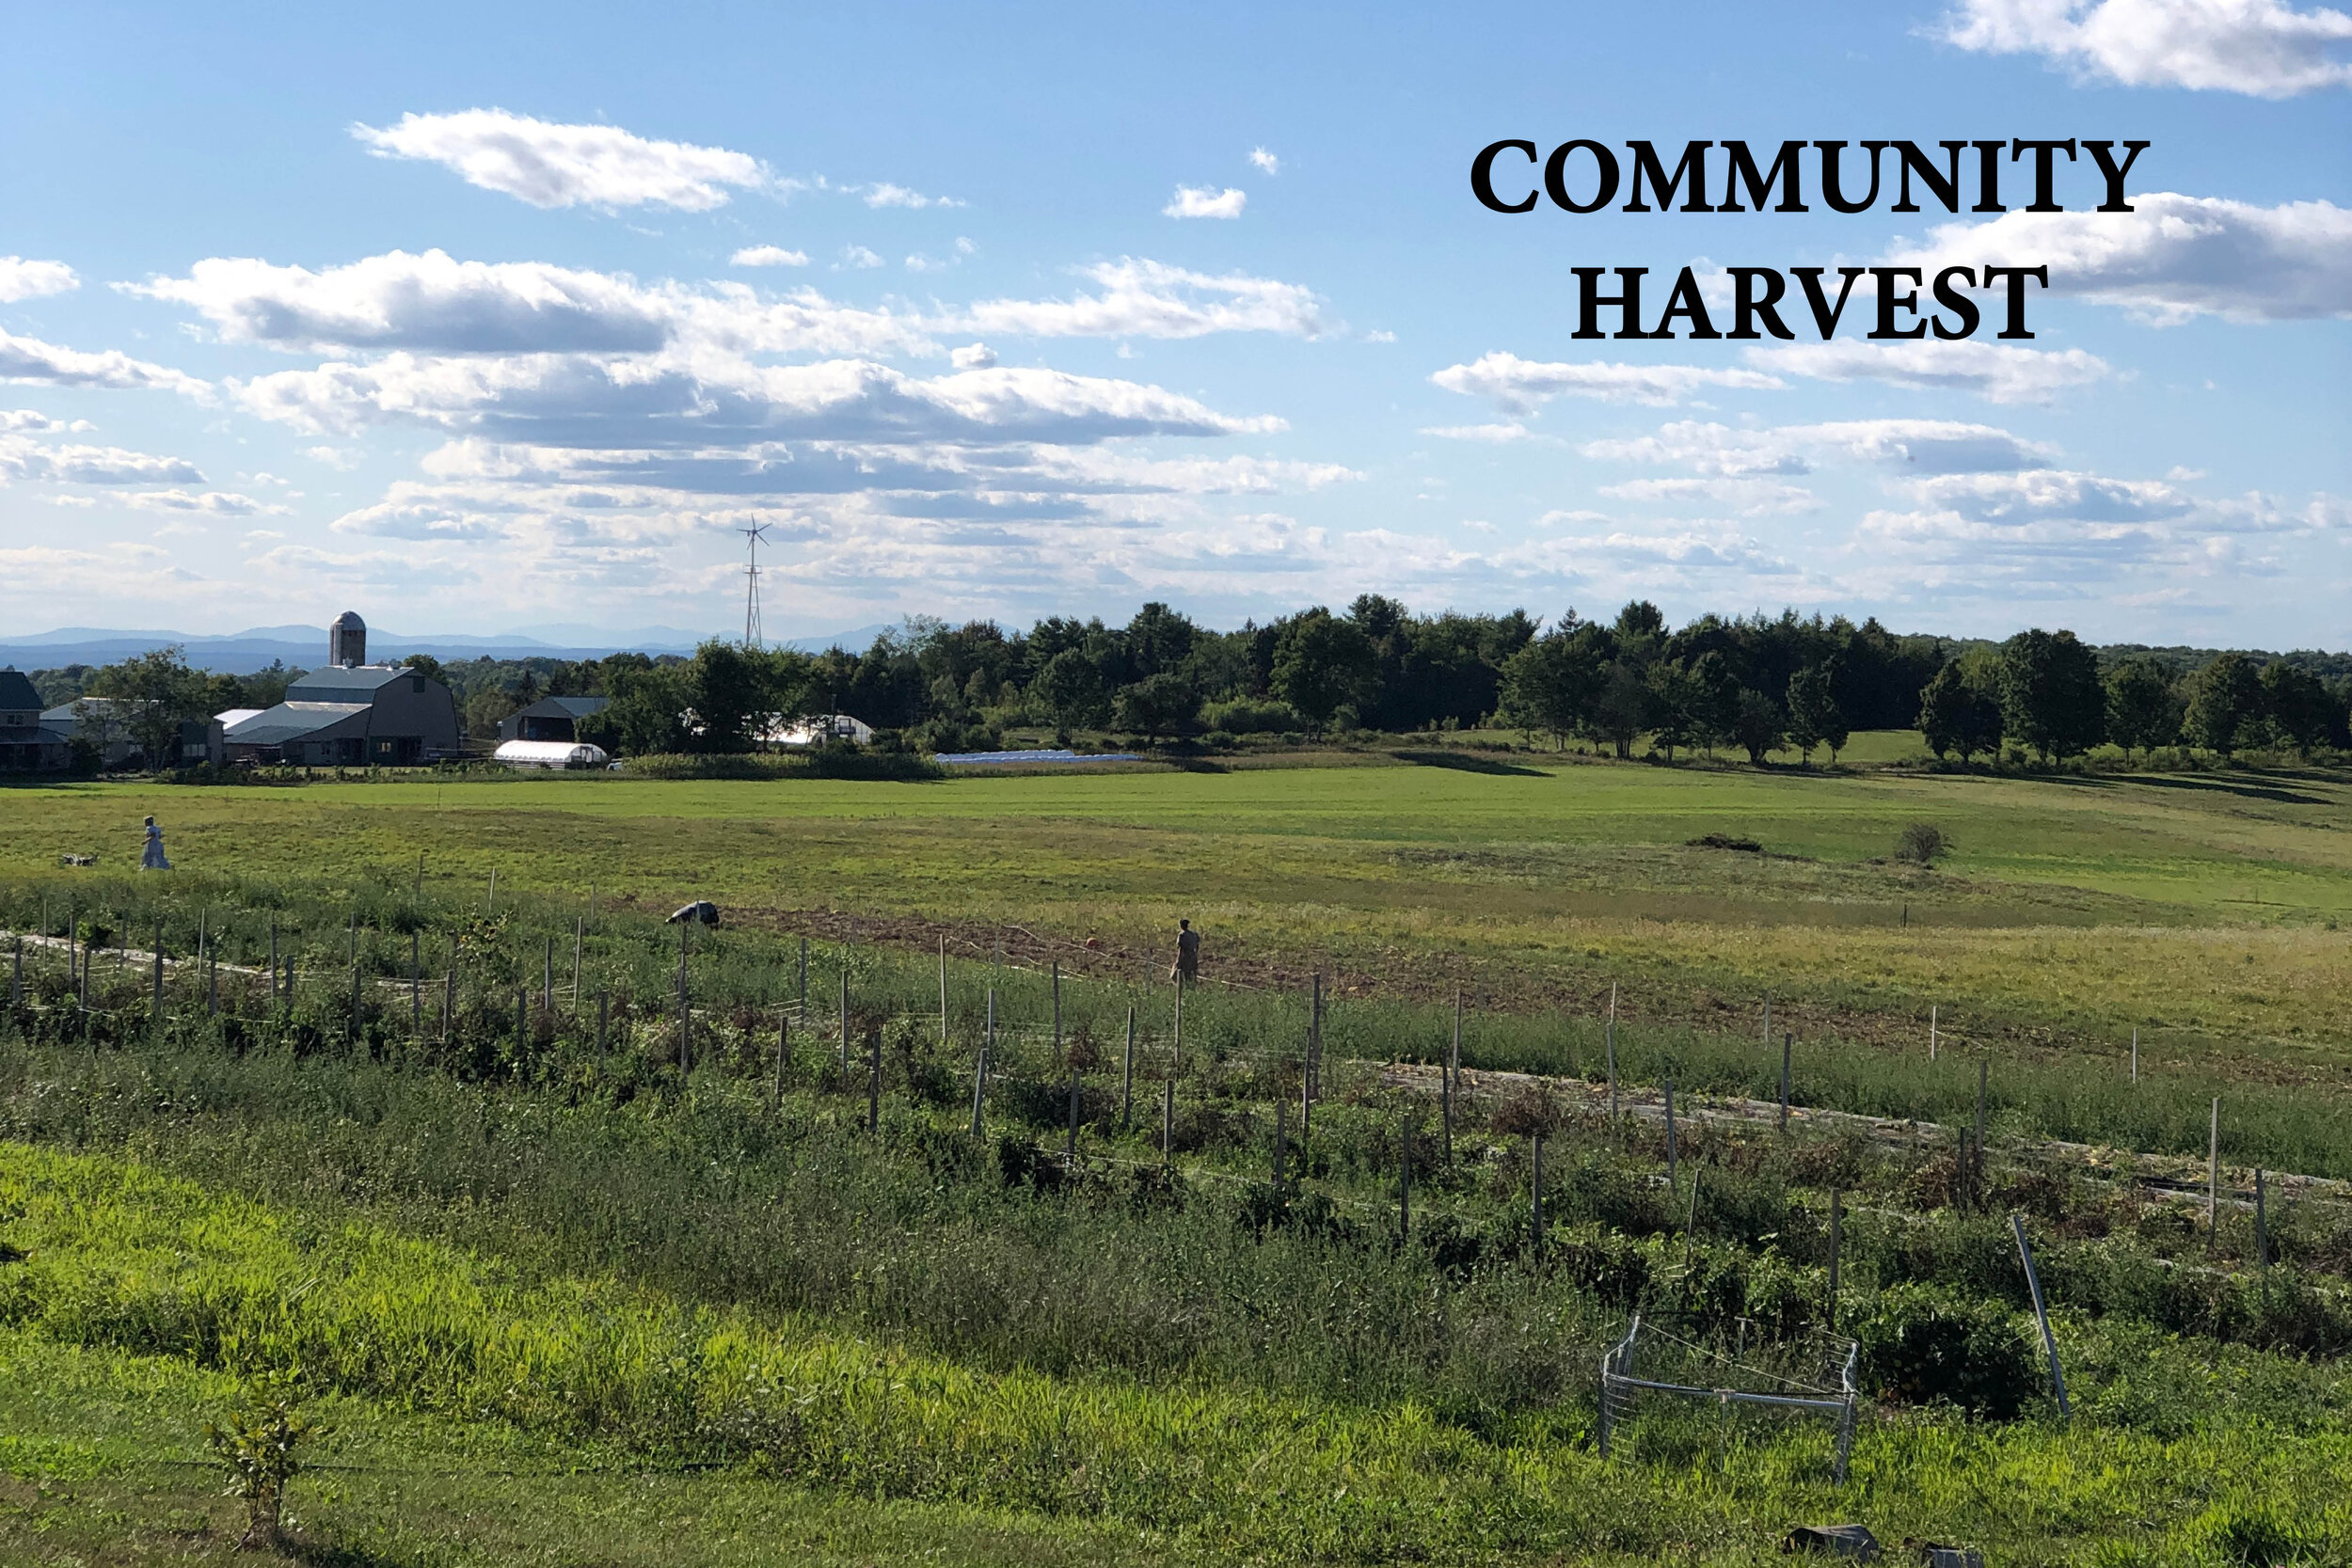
(1934, 1553)
(1920, 843)
(1726, 841)
(701, 911)
(77, 859)
(9, 1254)
(1847, 1541)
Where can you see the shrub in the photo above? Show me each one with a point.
(1920, 1346)
(259, 1443)
(1249, 716)
(1920, 844)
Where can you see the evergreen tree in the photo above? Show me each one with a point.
(1756, 724)
(1957, 714)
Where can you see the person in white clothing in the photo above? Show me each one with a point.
(152, 858)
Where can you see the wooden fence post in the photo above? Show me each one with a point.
(1314, 1043)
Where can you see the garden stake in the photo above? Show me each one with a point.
(1314, 1040)
(1609, 1044)
(2213, 1178)
(1787, 1042)
(783, 1054)
(2135, 1056)
(2261, 1225)
(1404, 1179)
(1931, 1031)
(943, 988)
(1177, 1061)
(1670, 1138)
(979, 1069)
(1452, 1076)
(1127, 1071)
(2041, 1315)
(1836, 1238)
(1537, 1195)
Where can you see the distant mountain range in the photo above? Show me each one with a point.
(241, 653)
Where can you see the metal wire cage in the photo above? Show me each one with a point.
(1812, 1375)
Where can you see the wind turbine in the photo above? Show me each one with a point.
(753, 533)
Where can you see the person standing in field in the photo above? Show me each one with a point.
(1187, 953)
(151, 858)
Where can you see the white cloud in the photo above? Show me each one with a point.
(768, 256)
(2041, 493)
(28, 460)
(2173, 258)
(1200, 202)
(1749, 498)
(13, 420)
(1494, 433)
(1993, 371)
(1148, 299)
(1915, 446)
(585, 401)
(335, 457)
(219, 503)
(564, 165)
(1265, 162)
(973, 357)
(23, 279)
(858, 257)
(428, 301)
(888, 194)
(1518, 385)
(28, 359)
(2250, 46)
(431, 303)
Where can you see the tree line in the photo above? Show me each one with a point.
(1756, 684)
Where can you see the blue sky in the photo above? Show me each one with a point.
(488, 318)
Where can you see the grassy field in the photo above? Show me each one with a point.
(561, 1299)
(2206, 912)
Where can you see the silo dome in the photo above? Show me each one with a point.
(347, 640)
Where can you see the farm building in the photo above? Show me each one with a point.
(354, 714)
(27, 744)
(814, 729)
(551, 719)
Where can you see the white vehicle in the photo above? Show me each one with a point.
(550, 754)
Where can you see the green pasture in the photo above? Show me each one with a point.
(2205, 908)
